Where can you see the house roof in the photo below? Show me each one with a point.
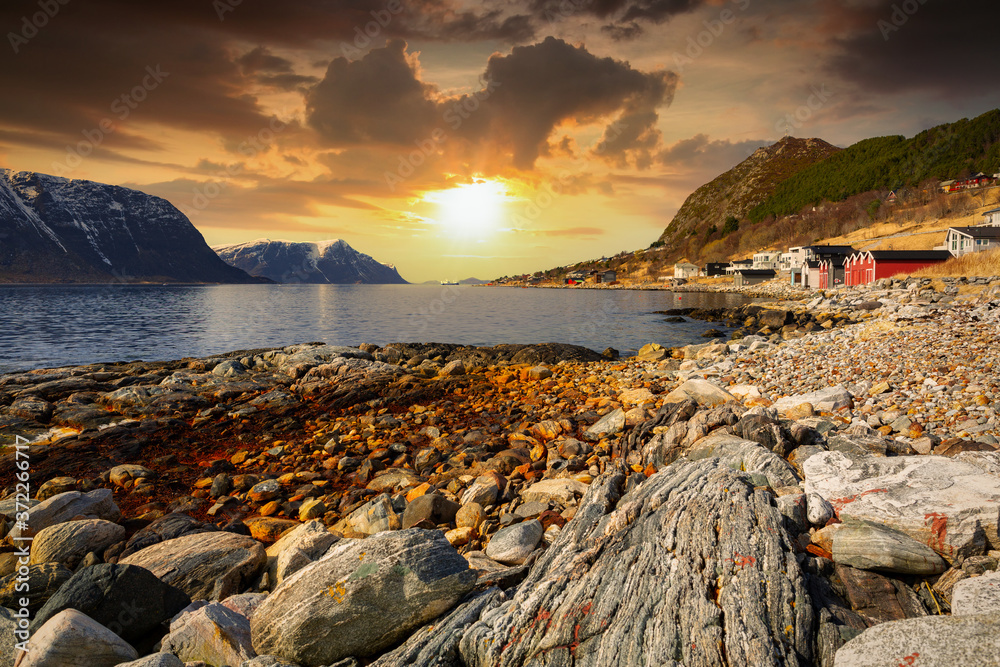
(741, 261)
(831, 249)
(909, 254)
(813, 263)
(992, 210)
(756, 272)
(978, 232)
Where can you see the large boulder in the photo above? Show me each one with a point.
(97, 504)
(128, 600)
(71, 639)
(204, 565)
(361, 598)
(932, 641)
(977, 595)
(951, 506)
(512, 545)
(296, 549)
(565, 491)
(692, 566)
(703, 392)
(824, 400)
(167, 527)
(747, 456)
(43, 581)
(69, 542)
(609, 424)
(213, 634)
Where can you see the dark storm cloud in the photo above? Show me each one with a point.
(526, 96)
(891, 46)
(625, 18)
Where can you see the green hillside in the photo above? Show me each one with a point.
(886, 163)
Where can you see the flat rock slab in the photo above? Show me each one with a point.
(874, 547)
(951, 506)
(977, 595)
(565, 491)
(932, 641)
(824, 400)
(703, 392)
(692, 567)
(209, 566)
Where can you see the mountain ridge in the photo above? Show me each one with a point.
(58, 230)
(332, 261)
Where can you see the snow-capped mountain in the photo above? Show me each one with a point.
(59, 230)
(295, 262)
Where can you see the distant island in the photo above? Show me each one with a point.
(323, 262)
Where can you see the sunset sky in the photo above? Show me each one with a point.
(454, 138)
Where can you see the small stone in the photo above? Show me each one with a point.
(470, 515)
(512, 545)
(313, 508)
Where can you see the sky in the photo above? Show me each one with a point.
(456, 139)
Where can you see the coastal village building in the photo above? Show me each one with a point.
(975, 181)
(991, 218)
(766, 260)
(607, 277)
(744, 277)
(864, 268)
(806, 264)
(685, 270)
(738, 264)
(713, 269)
(963, 240)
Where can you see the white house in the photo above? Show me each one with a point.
(992, 218)
(686, 270)
(963, 240)
(766, 261)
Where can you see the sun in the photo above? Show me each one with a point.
(470, 209)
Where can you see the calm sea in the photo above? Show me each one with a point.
(47, 326)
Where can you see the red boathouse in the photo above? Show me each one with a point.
(863, 268)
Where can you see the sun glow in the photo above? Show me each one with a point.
(470, 209)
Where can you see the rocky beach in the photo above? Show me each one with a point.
(821, 489)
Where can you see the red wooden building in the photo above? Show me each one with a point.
(863, 268)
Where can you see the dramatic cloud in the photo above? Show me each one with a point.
(624, 16)
(526, 96)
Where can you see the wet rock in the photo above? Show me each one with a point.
(207, 566)
(71, 639)
(69, 542)
(128, 600)
(512, 545)
(374, 591)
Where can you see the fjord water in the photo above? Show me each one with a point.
(54, 325)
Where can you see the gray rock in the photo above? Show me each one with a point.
(824, 400)
(214, 634)
(693, 566)
(703, 392)
(155, 660)
(932, 641)
(484, 491)
(267, 661)
(204, 565)
(818, 510)
(870, 546)
(167, 527)
(565, 491)
(361, 598)
(951, 506)
(69, 542)
(43, 581)
(609, 424)
(97, 504)
(437, 644)
(121, 475)
(71, 639)
(128, 600)
(977, 595)
(456, 367)
(431, 509)
(296, 549)
(512, 545)
(747, 456)
(375, 516)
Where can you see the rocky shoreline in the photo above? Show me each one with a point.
(823, 489)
